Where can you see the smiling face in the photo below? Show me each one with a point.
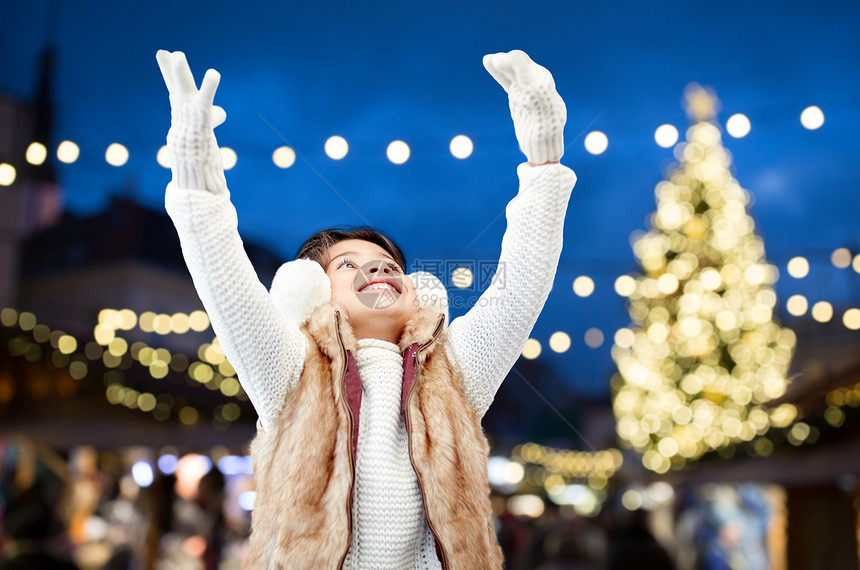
(370, 286)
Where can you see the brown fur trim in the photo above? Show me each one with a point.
(420, 327)
(449, 451)
(302, 465)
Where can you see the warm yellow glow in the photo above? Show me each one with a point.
(116, 154)
(36, 153)
(583, 286)
(126, 319)
(667, 283)
(797, 305)
(7, 174)
(625, 285)
(798, 267)
(179, 323)
(397, 152)
(851, 319)
(68, 152)
(559, 341)
(231, 412)
(228, 157)
(78, 370)
(841, 258)
(336, 147)
(856, 263)
(188, 415)
(284, 157)
(738, 125)
(711, 279)
(199, 321)
(161, 324)
(704, 353)
(822, 311)
(67, 344)
(461, 146)
(755, 274)
(624, 337)
(532, 349)
(596, 142)
(230, 387)
(146, 402)
(103, 335)
(8, 317)
(631, 499)
(666, 135)
(812, 118)
(118, 346)
(462, 277)
(594, 338)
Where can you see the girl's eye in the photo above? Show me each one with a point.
(394, 267)
(348, 263)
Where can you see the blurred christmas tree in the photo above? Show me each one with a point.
(704, 353)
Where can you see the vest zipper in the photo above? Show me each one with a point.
(409, 438)
(351, 430)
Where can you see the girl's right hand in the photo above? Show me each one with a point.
(195, 159)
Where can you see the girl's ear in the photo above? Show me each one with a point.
(430, 292)
(298, 288)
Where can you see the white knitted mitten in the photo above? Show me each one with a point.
(537, 109)
(195, 159)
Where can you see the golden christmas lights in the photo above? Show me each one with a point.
(706, 354)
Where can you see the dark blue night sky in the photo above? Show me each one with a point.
(297, 73)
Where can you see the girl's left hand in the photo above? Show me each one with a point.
(537, 109)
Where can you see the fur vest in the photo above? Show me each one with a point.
(304, 464)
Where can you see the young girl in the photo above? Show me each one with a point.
(369, 452)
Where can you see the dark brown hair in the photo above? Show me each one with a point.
(316, 247)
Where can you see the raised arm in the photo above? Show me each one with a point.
(486, 342)
(266, 348)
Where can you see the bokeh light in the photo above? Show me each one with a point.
(68, 152)
(812, 118)
(228, 157)
(738, 125)
(593, 338)
(851, 319)
(7, 174)
(397, 152)
(596, 142)
(797, 305)
(583, 286)
(822, 311)
(284, 157)
(666, 135)
(625, 285)
(462, 277)
(336, 147)
(559, 341)
(532, 349)
(798, 267)
(162, 157)
(841, 257)
(116, 154)
(461, 146)
(36, 153)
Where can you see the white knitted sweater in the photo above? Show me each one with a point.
(268, 352)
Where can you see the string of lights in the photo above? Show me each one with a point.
(398, 152)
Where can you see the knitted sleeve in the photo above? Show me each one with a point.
(266, 351)
(486, 342)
